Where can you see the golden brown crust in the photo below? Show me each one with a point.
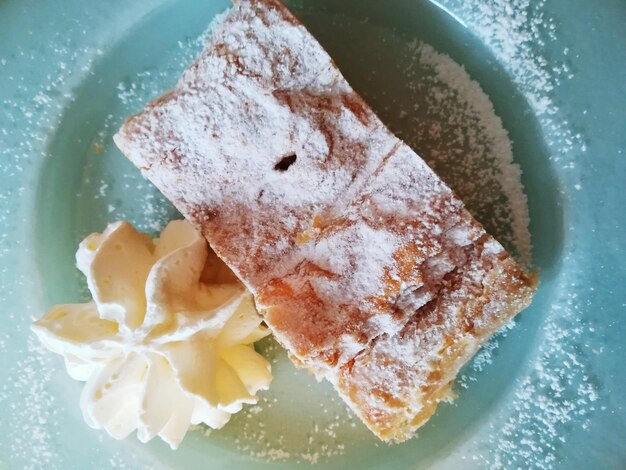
(396, 416)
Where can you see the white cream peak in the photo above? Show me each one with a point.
(167, 341)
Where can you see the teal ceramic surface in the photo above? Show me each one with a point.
(552, 395)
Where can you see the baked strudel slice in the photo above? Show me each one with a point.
(365, 265)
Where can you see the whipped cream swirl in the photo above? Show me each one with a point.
(167, 341)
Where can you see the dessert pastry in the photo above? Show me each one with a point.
(159, 307)
(364, 264)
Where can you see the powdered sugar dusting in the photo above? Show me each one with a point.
(38, 430)
(456, 90)
(557, 392)
(372, 219)
(317, 428)
(558, 388)
(38, 85)
(452, 101)
(29, 401)
(259, 93)
(447, 118)
(515, 32)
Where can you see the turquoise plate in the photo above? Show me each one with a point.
(546, 393)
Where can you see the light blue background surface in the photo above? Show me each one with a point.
(59, 67)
